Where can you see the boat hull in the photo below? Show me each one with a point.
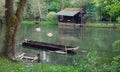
(49, 46)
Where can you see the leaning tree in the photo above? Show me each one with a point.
(13, 21)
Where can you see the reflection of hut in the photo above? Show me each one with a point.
(71, 16)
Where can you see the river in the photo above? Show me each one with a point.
(87, 39)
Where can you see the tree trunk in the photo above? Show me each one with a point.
(110, 19)
(62, 4)
(12, 24)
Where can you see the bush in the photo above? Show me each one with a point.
(51, 16)
(116, 44)
(115, 64)
(118, 20)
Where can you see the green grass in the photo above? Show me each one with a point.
(41, 22)
(92, 63)
(9, 66)
(28, 22)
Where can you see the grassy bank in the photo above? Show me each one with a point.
(102, 25)
(93, 63)
(41, 22)
(28, 22)
(93, 25)
(8, 66)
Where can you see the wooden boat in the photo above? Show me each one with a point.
(49, 46)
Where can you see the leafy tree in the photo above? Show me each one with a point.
(107, 8)
(54, 5)
(79, 3)
(36, 9)
(113, 9)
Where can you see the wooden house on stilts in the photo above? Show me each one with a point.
(71, 16)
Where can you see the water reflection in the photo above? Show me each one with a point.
(86, 38)
(45, 57)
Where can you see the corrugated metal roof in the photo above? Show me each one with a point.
(67, 13)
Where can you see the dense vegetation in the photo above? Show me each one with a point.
(96, 10)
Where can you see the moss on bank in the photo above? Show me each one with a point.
(8, 66)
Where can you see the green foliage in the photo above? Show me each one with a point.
(38, 8)
(90, 63)
(54, 6)
(8, 66)
(116, 44)
(105, 8)
(112, 8)
(118, 20)
(79, 3)
(115, 64)
(51, 19)
(51, 16)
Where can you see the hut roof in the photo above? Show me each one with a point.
(70, 11)
(67, 13)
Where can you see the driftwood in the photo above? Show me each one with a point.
(32, 58)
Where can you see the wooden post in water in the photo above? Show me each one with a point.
(65, 48)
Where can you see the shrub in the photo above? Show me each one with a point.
(116, 44)
(118, 20)
(51, 16)
(90, 64)
(115, 64)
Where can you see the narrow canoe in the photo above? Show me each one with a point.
(49, 46)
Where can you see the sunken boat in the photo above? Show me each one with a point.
(49, 46)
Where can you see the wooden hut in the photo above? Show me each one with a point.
(71, 16)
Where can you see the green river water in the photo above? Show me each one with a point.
(87, 39)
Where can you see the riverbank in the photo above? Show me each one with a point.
(9, 66)
(40, 22)
(92, 25)
(102, 25)
(85, 66)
